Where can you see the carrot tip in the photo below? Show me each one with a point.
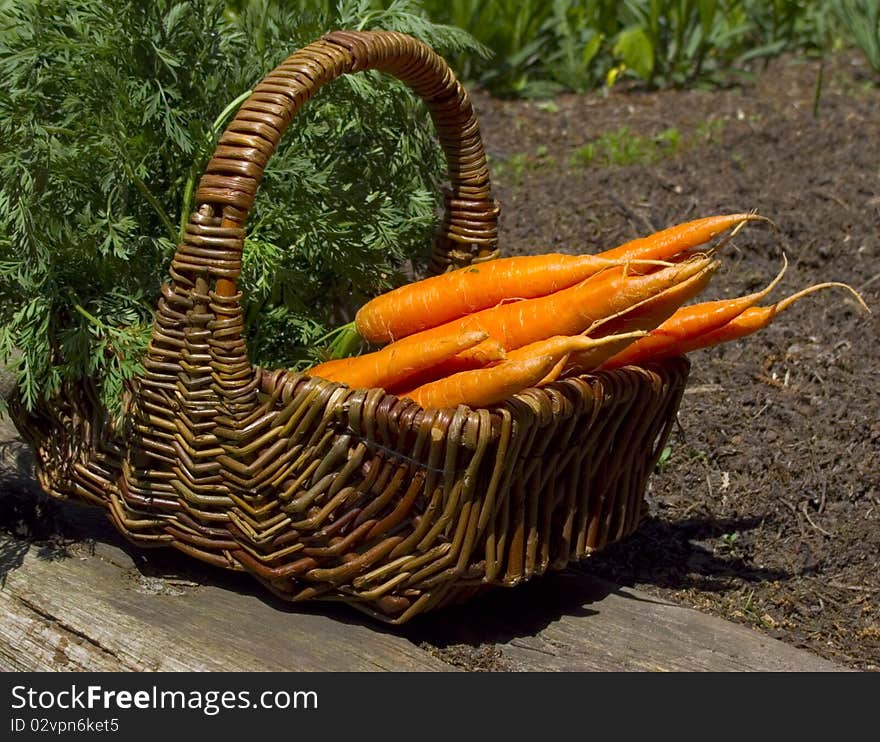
(788, 301)
(775, 282)
(754, 216)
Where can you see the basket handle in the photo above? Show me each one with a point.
(231, 178)
(197, 348)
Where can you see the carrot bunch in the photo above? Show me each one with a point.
(480, 334)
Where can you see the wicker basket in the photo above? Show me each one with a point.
(321, 491)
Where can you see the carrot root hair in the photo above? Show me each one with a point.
(784, 304)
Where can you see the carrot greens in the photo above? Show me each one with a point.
(110, 111)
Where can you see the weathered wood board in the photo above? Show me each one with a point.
(86, 600)
(96, 612)
(573, 622)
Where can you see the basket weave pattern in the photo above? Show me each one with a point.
(319, 490)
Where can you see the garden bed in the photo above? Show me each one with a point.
(767, 510)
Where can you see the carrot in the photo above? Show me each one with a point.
(637, 321)
(486, 353)
(656, 309)
(395, 362)
(694, 320)
(674, 240)
(326, 369)
(566, 312)
(571, 311)
(560, 347)
(434, 301)
(483, 386)
(657, 345)
(688, 320)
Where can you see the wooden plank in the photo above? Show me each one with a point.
(87, 612)
(86, 599)
(571, 621)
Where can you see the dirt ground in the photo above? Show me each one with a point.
(767, 510)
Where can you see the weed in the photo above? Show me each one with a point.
(663, 459)
(540, 48)
(861, 19)
(751, 611)
(516, 165)
(583, 156)
(623, 147)
(547, 106)
(709, 131)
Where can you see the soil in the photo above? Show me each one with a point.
(767, 509)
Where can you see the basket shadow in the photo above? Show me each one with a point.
(676, 554)
(29, 519)
(662, 553)
(27, 515)
(505, 614)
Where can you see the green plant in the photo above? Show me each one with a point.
(109, 113)
(516, 164)
(623, 147)
(538, 48)
(677, 42)
(575, 35)
(780, 25)
(663, 459)
(709, 130)
(861, 19)
(511, 29)
(541, 48)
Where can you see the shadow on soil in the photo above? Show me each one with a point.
(504, 614)
(26, 514)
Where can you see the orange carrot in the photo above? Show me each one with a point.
(669, 242)
(395, 362)
(656, 309)
(704, 317)
(554, 373)
(434, 301)
(688, 322)
(643, 317)
(483, 386)
(485, 354)
(560, 347)
(571, 311)
(656, 345)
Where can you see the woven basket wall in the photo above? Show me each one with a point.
(321, 491)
